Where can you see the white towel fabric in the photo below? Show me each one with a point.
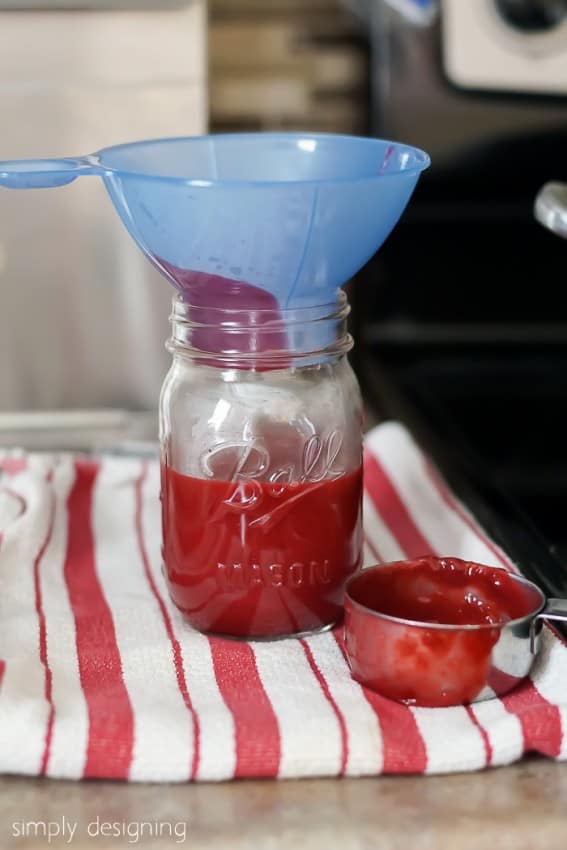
(100, 676)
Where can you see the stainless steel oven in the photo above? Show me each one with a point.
(462, 316)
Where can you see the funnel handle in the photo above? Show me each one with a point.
(45, 173)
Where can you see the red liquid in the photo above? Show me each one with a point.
(432, 666)
(256, 559)
(445, 590)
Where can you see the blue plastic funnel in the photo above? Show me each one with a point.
(287, 217)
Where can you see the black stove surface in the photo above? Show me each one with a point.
(494, 421)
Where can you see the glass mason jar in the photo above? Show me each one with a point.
(260, 431)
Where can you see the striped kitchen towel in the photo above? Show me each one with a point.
(100, 677)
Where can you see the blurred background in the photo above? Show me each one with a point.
(461, 316)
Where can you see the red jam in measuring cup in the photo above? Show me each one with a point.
(404, 659)
(446, 591)
(276, 568)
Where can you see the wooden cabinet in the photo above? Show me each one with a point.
(284, 64)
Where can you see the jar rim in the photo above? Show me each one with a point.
(332, 309)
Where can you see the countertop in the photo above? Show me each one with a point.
(523, 807)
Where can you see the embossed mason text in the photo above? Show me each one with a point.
(240, 576)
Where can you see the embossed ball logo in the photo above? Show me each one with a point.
(246, 463)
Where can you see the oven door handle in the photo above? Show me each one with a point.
(550, 208)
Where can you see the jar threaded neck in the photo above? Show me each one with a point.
(260, 337)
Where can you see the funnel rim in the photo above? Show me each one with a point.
(194, 182)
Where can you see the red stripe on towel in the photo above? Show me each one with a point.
(111, 720)
(540, 720)
(258, 745)
(483, 733)
(13, 465)
(404, 749)
(330, 699)
(392, 509)
(176, 652)
(43, 629)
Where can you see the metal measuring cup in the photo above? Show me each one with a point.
(433, 664)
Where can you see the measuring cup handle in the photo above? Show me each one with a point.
(555, 609)
(44, 173)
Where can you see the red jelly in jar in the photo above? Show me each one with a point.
(265, 561)
(261, 468)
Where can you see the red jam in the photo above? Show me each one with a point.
(262, 564)
(431, 666)
(445, 590)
